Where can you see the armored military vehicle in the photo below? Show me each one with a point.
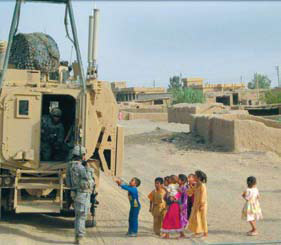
(89, 117)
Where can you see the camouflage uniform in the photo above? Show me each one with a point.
(81, 181)
(69, 143)
(52, 137)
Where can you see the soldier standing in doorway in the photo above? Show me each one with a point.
(52, 136)
(81, 181)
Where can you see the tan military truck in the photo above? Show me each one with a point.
(89, 113)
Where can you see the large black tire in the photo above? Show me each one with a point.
(68, 213)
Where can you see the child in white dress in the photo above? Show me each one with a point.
(172, 188)
(252, 211)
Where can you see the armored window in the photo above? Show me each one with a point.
(23, 108)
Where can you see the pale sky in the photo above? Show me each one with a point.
(144, 41)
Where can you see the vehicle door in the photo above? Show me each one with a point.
(21, 129)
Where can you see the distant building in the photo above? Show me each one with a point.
(155, 99)
(123, 93)
(118, 85)
(198, 83)
(191, 82)
(228, 94)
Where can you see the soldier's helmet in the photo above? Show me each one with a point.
(79, 150)
(56, 112)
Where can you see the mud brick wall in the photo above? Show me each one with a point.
(145, 110)
(222, 133)
(239, 132)
(267, 122)
(182, 113)
(253, 135)
(202, 126)
(149, 116)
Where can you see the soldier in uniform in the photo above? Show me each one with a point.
(80, 179)
(52, 136)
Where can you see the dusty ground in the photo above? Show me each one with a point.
(157, 149)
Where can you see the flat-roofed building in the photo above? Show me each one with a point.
(193, 82)
(123, 93)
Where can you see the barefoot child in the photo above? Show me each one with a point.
(157, 205)
(198, 217)
(134, 204)
(252, 211)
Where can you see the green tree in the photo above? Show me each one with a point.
(175, 83)
(272, 97)
(188, 95)
(259, 81)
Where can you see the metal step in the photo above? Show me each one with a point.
(38, 186)
(40, 180)
(39, 206)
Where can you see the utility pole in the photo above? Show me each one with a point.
(181, 80)
(257, 87)
(278, 75)
(153, 83)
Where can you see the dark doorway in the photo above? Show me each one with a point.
(235, 99)
(223, 99)
(54, 145)
(158, 102)
(67, 105)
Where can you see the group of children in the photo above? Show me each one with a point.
(180, 202)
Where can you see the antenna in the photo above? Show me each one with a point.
(278, 75)
(93, 43)
(70, 58)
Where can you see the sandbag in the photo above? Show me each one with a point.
(35, 51)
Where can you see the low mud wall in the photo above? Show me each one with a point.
(223, 133)
(239, 132)
(182, 113)
(267, 122)
(145, 110)
(201, 126)
(275, 118)
(253, 135)
(163, 116)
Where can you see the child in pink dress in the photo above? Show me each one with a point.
(171, 222)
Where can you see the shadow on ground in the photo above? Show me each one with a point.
(30, 235)
(39, 220)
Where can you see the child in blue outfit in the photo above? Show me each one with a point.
(134, 204)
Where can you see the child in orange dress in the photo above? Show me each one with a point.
(190, 183)
(198, 217)
(157, 205)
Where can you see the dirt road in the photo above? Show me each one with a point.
(158, 149)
